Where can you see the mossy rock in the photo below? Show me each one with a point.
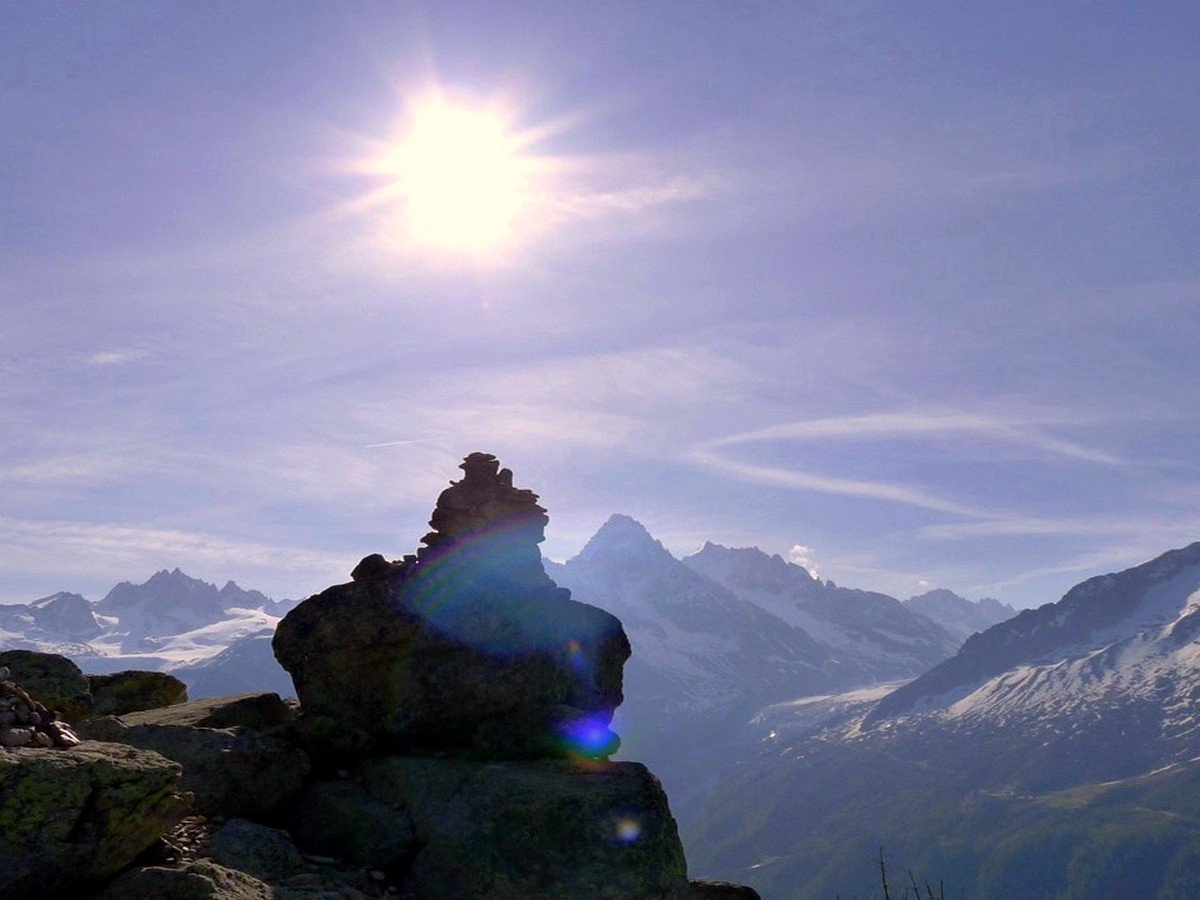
(53, 679)
(74, 817)
(134, 691)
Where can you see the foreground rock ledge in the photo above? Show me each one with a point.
(80, 815)
(536, 830)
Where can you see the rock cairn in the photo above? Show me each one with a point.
(467, 700)
(26, 722)
(465, 648)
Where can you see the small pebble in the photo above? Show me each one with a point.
(376, 875)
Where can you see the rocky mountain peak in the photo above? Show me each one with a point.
(623, 537)
(958, 615)
(748, 568)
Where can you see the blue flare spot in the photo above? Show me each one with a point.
(589, 738)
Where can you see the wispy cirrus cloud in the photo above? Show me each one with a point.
(1028, 432)
(849, 487)
(1031, 434)
(1165, 529)
(118, 356)
(97, 550)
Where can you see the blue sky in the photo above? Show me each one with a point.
(908, 291)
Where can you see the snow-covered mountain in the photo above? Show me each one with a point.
(958, 615)
(171, 622)
(247, 664)
(721, 635)
(61, 617)
(872, 637)
(171, 603)
(697, 646)
(1118, 645)
(1056, 754)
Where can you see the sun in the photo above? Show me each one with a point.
(461, 177)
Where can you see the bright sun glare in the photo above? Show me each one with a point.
(462, 179)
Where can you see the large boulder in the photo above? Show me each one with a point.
(535, 830)
(54, 680)
(261, 711)
(233, 770)
(266, 853)
(133, 690)
(466, 648)
(80, 815)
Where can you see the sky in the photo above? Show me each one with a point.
(909, 293)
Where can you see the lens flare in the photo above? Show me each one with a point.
(575, 657)
(588, 738)
(628, 829)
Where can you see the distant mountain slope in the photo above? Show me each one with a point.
(958, 615)
(722, 634)
(169, 620)
(1113, 633)
(872, 637)
(1056, 755)
(247, 664)
(696, 646)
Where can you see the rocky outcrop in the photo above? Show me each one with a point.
(79, 815)
(465, 648)
(233, 769)
(133, 691)
(253, 711)
(54, 680)
(476, 695)
(458, 703)
(267, 853)
(26, 722)
(538, 829)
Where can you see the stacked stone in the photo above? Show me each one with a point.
(466, 648)
(466, 699)
(485, 510)
(26, 722)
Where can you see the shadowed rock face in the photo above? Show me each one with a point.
(82, 814)
(466, 648)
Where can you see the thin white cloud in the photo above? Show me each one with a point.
(117, 357)
(62, 469)
(396, 443)
(77, 548)
(871, 490)
(1027, 432)
(1082, 526)
(915, 423)
(803, 556)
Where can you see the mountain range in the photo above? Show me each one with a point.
(1056, 754)
(170, 621)
(728, 644)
